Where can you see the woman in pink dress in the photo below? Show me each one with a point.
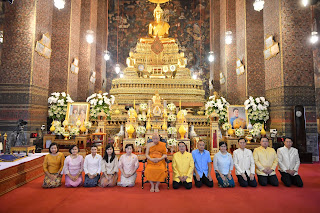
(73, 167)
(128, 165)
(109, 168)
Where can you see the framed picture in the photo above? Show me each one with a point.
(238, 116)
(267, 54)
(76, 61)
(47, 52)
(268, 42)
(239, 63)
(40, 47)
(77, 111)
(274, 49)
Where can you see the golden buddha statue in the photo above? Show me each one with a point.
(158, 27)
(156, 99)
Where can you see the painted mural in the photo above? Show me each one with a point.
(189, 21)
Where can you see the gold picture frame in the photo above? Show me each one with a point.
(274, 49)
(74, 67)
(267, 54)
(77, 111)
(241, 117)
(43, 47)
(268, 42)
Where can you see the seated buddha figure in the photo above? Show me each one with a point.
(158, 27)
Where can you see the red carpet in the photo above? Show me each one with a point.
(32, 198)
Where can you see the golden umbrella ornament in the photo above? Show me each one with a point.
(159, 1)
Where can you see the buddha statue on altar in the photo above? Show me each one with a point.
(157, 64)
(158, 27)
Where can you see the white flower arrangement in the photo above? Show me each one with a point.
(100, 102)
(172, 117)
(257, 109)
(87, 124)
(143, 106)
(218, 106)
(257, 126)
(142, 117)
(58, 105)
(172, 130)
(226, 126)
(140, 142)
(74, 130)
(255, 132)
(171, 107)
(141, 130)
(172, 142)
(239, 132)
(60, 130)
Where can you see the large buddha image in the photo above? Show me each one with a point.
(158, 27)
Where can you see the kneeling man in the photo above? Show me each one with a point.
(202, 163)
(289, 163)
(244, 164)
(266, 161)
(182, 166)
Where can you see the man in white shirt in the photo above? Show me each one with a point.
(289, 163)
(92, 168)
(244, 164)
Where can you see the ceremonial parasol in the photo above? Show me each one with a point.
(159, 1)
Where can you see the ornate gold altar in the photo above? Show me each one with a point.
(157, 64)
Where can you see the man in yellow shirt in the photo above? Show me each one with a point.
(182, 166)
(266, 161)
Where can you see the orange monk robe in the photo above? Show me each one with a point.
(157, 171)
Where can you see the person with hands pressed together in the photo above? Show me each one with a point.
(223, 165)
(244, 164)
(92, 168)
(73, 167)
(109, 168)
(128, 165)
(266, 161)
(52, 166)
(183, 167)
(202, 169)
(156, 170)
(289, 163)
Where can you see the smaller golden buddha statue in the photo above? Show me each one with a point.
(130, 60)
(156, 99)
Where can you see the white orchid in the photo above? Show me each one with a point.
(257, 109)
(99, 102)
(218, 106)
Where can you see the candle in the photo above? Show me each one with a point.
(180, 104)
(134, 103)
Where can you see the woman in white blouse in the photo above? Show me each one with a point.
(244, 164)
(109, 168)
(92, 168)
(223, 166)
(289, 162)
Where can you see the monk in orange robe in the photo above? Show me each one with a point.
(156, 169)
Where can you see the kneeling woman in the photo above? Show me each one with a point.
(128, 166)
(109, 168)
(52, 166)
(223, 165)
(73, 167)
(92, 168)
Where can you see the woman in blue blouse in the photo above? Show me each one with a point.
(223, 165)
